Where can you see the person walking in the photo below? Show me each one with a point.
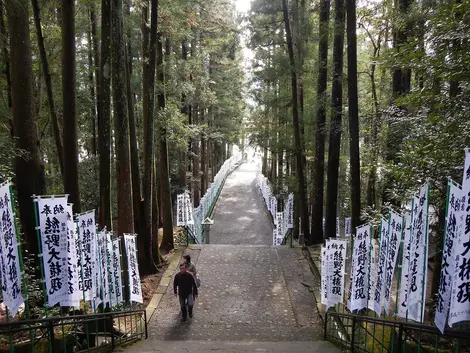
(192, 269)
(184, 286)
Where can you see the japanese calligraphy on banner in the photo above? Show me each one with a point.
(54, 233)
(395, 230)
(347, 227)
(117, 271)
(180, 210)
(360, 277)
(460, 295)
(279, 228)
(103, 266)
(110, 270)
(404, 268)
(9, 256)
(372, 273)
(73, 292)
(337, 227)
(336, 273)
(273, 206)
(380, 281)
(87, 236)
(325, 253)
(134, 277)
(453, 228)
(188, 208)
(417, 271)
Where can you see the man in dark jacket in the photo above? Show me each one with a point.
(185, 287)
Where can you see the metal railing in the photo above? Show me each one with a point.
(372, 335)
(77, 333)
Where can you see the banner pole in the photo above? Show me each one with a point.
(425, 258)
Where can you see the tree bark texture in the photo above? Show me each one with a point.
(6, 56)
(69, 104)
(29, 171)
(91, 81)
(121, 123)
(167, 211)
(48, 82)
(353, 114)
(295, 119)
(104, 116)
(320, 132)
(334, 144)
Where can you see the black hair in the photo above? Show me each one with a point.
(187, 257)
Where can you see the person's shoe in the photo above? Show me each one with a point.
(191, 314)
(184, 319)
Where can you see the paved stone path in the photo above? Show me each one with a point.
(251, 292)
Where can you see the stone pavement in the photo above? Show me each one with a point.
(252, 294)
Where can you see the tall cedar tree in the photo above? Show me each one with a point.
(96, 59)
(167, 240)
(149, 94)
(322, 81)
(5, 56)
(29, 171)
(104, 116)
(121, 124)
(295, 120)
(69, 104)
(48, 82)
(335, 122)
(353, 113)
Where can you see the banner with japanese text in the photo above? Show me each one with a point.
(417, 271)
(135, 287)
(54, 232)
(347, 227)
(336, 271)
(360, 278)
(406, 253)
(9, 254)
(381, 266)
(460, 293)
(453, 228)
(103, 266)
(117, 270)
(90, 265)
(395, 233)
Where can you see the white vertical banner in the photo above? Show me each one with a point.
(372, 273)
(290, 211)
(323, 225)
(9, 255)
(395, 230)
(279, 228)
(418, 259)
(351, 279)
(360, 279)
(53, 228)
(274, 236)
(336, 271)
(73, 292)
(135, 286)
(117, 271)
(273, 206)
(188, 207)
(110, 270)
(87, 236)
(460, 295)
(382, 264)
(103, 261)
(347, 227)
(453, 227)
(337, 227)
(324, 288)
(180, 210)
(404, 268)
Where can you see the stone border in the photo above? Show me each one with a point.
(164, 283)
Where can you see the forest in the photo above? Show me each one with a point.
(124, 104)
(119, 104)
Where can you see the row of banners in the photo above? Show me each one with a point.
(78, 263)
(283, 221)
(191, 217)
(374, 264)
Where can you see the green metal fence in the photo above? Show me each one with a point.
(76, 333)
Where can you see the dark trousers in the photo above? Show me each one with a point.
(186, 303)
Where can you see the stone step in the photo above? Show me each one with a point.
(160, 346)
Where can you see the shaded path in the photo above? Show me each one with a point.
(250, 292)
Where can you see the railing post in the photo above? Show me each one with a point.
(353, 333)
(326, 324)
(400, 337)
(51, 336)
(146, 328)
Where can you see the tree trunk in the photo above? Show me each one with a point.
(69, 106)
(104, 116)
(155, 215)
(121, 127)
(183, 164)
(96, 56)
(353, 113)
(335, 123)
(29, 177)
(92, 95)
(203, 179)
(319, 171)
(295, 119)
(48, 82)
(6, 57)
(195, 140)
(148, 141)
(167, 240)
